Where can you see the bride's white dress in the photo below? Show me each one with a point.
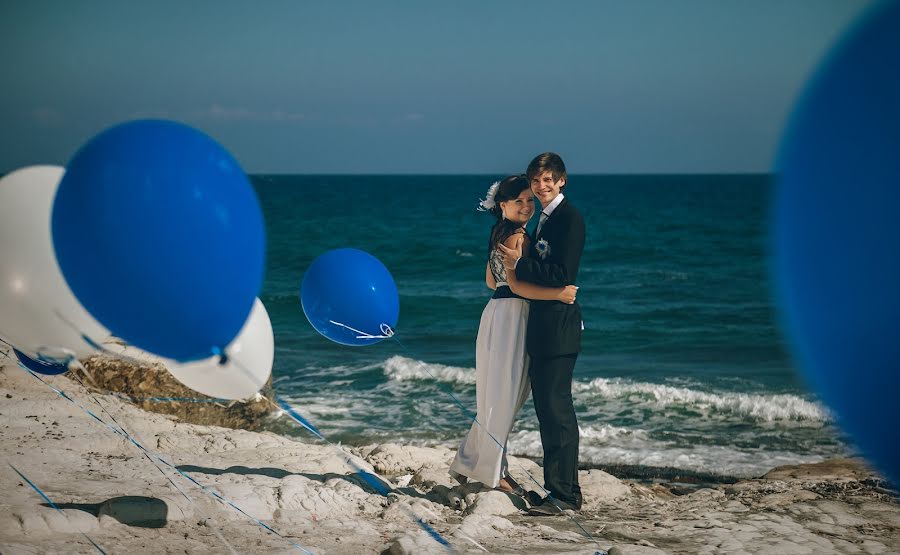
(501, 383)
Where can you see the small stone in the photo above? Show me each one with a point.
(496, 503)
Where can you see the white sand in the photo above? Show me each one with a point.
(108, 489)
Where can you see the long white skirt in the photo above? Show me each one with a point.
(501, 387)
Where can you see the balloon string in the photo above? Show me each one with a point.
(367, 477)
(171, 399)
(147, 455)
(386, 331)
(52, 504)
(379, 484)
(211, 492)
(207, 490)
(376, 482)
(120, 431)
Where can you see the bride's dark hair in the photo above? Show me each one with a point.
(509, 188)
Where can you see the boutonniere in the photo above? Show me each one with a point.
(543, 248)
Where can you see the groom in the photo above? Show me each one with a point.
(553, 338)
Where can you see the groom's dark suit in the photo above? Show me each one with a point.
(553, 341)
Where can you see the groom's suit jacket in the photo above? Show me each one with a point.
(554, 328)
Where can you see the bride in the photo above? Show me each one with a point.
(501, 362)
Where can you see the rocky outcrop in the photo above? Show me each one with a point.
(146, 382)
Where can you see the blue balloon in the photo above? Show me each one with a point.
(40, 366)
(837, 234)
(350, 288)
(159, 234)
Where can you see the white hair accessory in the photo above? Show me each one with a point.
(488, 202)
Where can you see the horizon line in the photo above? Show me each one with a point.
(481, 174)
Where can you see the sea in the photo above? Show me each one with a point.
(685, 368)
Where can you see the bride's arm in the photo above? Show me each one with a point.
(530, 290)
(489, 277)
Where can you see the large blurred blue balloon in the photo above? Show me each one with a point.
(40, 366)
(159, 234)
(837, 233)
(353, 288)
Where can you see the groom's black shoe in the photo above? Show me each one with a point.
(552, 507)
(534, 498)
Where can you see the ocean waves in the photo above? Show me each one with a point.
(610, 447)
(754, 406)
(403, 369)
(681, 425)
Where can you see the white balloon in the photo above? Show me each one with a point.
(249, 364)
(39, 314)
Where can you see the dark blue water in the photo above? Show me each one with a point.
(683, 363)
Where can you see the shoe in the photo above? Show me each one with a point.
(553, 507)
(534, 498)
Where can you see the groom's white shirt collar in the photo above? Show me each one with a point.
(547, 210)
(553, 204)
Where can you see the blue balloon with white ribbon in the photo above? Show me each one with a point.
(350, 297)
(837, 233)
(160, 235)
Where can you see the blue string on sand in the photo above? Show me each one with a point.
(300, 420)
(377, 483)
(367, 477)
(118, 430)
(52, 504)
(380, 485)
(121, 432)
(205, 489)
(147, 454)
(173, 399)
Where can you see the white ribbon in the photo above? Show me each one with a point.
(386, 331)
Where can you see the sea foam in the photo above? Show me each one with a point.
(766, 407)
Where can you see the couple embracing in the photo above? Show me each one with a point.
(529, 336)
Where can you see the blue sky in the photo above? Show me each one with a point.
(634, 86)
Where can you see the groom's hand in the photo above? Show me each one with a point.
(511, 255)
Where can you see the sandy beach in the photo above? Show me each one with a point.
(108, 489)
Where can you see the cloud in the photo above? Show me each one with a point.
(47, 116)
(153, 114)
(219, 113)
(224, 113)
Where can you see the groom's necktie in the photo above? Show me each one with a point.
(543, 219)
